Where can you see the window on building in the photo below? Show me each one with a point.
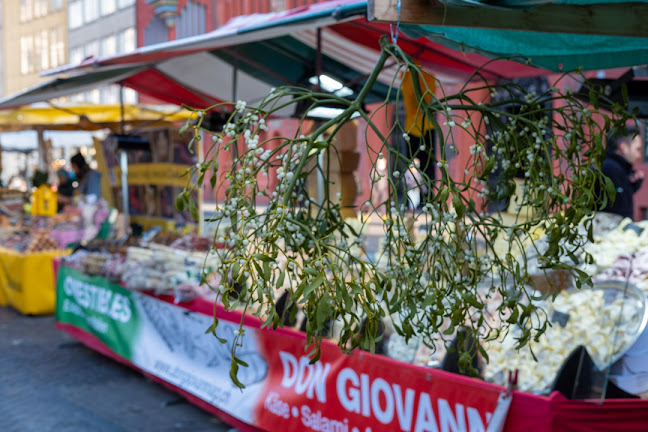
(41, 50)
(92, 49)
(23, 56)
(125, 3)
(57, 47)
(191, 21)
(95, 97)
(55, 5)
(54, 60)
(126, 41)
(26, 55)
(156, 32)
(90, 10)
(110, 95)
(40, 8)
(76, 55)
(30, 54)
(130, 96)
(130, 39)
(109, 46)
(75, 14)
(26, 10)
(44, 54)
(105, 96)
(37, 50)
(108, 7)
(121, 43)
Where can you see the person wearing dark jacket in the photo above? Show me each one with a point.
(65, 183)
(624, 148)
(65, 188)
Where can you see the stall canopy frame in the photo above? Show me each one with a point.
(267, 50)
(89, 117)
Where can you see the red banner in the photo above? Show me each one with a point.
(365, 393)
(358, 392)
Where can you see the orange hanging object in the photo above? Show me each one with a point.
(44, 201)
(416, 123)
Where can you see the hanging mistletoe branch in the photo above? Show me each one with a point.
(466, 268)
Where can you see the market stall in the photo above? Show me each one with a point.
(156, 162)
(29, 243)
(155, 321)
(11, 201)
(44, 129)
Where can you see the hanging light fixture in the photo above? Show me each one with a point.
(166, 10)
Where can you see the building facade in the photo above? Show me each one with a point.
(164, 20)
(34, 39)
(2, 71)
(101, 28)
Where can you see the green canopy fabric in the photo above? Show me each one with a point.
(548, 50)
(551, 51)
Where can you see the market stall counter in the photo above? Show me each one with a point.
(283, 390)
(28, 247)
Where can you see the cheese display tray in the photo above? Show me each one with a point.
(607, 319)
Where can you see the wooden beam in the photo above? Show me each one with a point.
(620, 19)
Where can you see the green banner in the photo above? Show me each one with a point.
(102, 308)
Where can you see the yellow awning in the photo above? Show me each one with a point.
(89, 117)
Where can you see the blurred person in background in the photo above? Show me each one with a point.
(89, 179)
(65, 187)
(624, 148)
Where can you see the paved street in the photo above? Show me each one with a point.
(51, 383)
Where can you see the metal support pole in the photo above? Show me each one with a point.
(318, 58)
(42, 150)
(320, 157)
(28, 173)
(200, 152)
(67, 154)
(235, 99)
(123, 162)
(121, 108)
(235, 81)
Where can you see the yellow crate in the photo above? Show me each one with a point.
(27, 281)
(44, 201)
